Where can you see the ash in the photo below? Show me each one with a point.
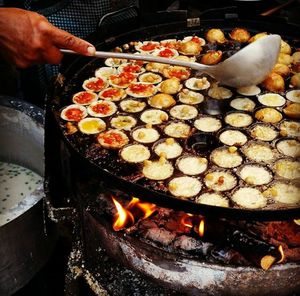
(109, 277)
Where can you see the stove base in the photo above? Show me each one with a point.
(188, 276)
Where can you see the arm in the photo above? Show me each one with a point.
(27, 38)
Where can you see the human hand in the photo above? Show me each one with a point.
(27, 38)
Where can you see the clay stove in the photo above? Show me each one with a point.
(159, 251)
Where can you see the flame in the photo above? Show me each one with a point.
(122, 218)
(186, 220)
(125, 217)
(133, 202)
(201, 228)
(282, 254)
(147, 208)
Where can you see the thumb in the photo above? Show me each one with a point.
(63, 39)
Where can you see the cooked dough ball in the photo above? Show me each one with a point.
(135, 153)
(112, 139)
(215, 35)
(259, 152)
(281, 69)
(220, 180)
(274, 82)
(155, 67)
(251, 90)
(123, 122)
(292, 110)
(293, 95)
(192, 165)
(177, 130)
(161, 101)
(178, 72)
(212, 57)
(290, 128)
(168, 148)
(295, 80)
(243, 104)
(263, 132)
(190, 97)
(271, 100)
(91, 125)
(150, 78)
(132, 106)
(249, 198)
(145, 135)
(233, 138)
(238, 119)
(184, 112)
(255, 174)
(285, 59)
(219, 92)
(257, 36)
(240, 35)
(284, 193)
(288, 169)
(190, 48)
(154, 116)
(289, 147)
(296, 57)
(197, 83)
(213, 199)
(285, 47)
(208, 124)
(268, 115)
(158, 170)
(170, 86)
(226, 157)
(184, 187)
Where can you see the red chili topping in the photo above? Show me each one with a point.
(74, 114)
(112, 138)
(195, 39)
(132, 68)
(83, 98)
(140, 63)
(170, 44)
(148, 46)
(166, 53)
(101, 108)
(180, 74)
(95, 85)
(109, 93)
(137, 88)
(123, 78)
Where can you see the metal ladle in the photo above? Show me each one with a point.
(249, 66)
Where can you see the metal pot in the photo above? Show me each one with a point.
(25, 246)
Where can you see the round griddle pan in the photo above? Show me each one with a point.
(79, 68)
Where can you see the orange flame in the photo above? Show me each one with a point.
(132, 203)
(186, 220)
(122, 218)
(282, 254)
(147, 208)
(201, 228)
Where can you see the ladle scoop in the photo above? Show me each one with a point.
(249, 66)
